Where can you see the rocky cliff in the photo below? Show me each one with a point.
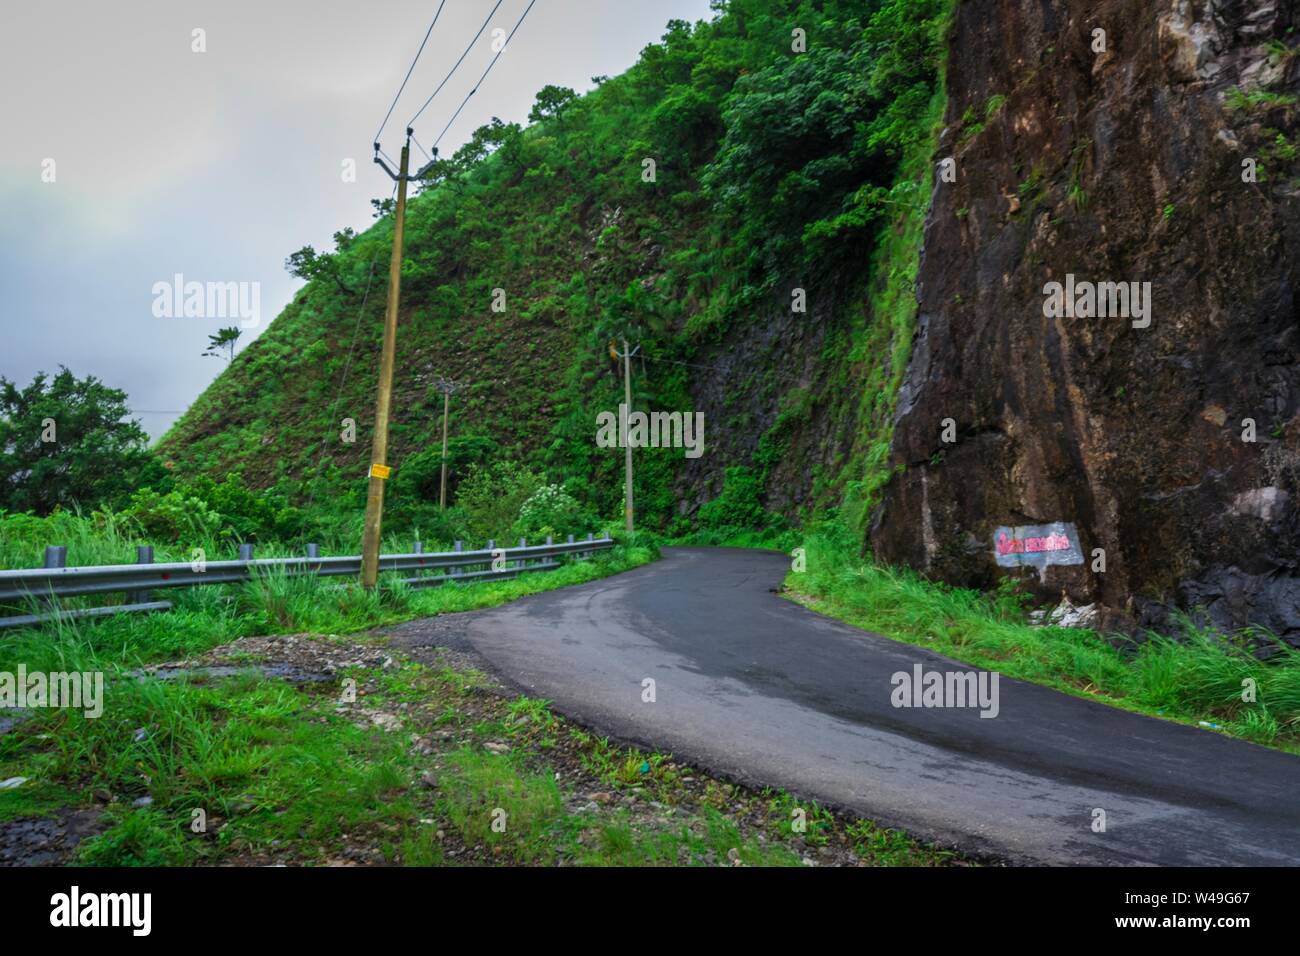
(1112, 142)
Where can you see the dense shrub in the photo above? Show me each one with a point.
(172, 517)
(739, 505)
(247, 514)
(492, 497)
(552, 511)
(201, 509)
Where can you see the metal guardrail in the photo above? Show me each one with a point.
(54, 581)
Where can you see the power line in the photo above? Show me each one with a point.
(518, 24)
(709, 368)
(411, 122)
(409, 71)
(320, 460)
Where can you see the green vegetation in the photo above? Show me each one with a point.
(1238, 100)
(223, 341)
(971, 126)
(772, 170)
(1077, 195)
(1279, 149)
(64, 442)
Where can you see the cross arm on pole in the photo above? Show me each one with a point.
(393, 174)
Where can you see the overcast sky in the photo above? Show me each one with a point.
(217, 165)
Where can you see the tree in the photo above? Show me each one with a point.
(487, 139)
(552, 101)
(309, 264)
(224, 339)
(67, 442)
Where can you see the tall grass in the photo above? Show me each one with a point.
(277, 759)
(274, 602)
(104, 537)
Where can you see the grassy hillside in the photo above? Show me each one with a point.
(790, 147)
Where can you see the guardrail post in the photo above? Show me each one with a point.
(313, 550)
(460, 546)
(143, 555)
(245, 552)
(587, 554)
(491, 546)
(522, 562)
(419, 547)
(549, 541)
(56, 556)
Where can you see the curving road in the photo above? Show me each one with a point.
(756, 687)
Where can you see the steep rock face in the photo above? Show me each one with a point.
(775, 366)
(1122, 165)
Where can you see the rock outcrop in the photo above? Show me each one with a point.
(1170, 442)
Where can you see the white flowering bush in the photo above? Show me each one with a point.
(552, 511)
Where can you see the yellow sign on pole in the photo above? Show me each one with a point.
(380, 471)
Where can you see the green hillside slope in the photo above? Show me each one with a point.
(790, 147)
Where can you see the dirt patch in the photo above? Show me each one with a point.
(47, 841)
(295, 657)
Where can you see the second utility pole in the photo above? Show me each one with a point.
(446, 386)
(379, 470)
(442, 493)
(627, 445)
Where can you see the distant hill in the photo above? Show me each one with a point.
(779, 137)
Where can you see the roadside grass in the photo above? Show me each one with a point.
(491, 801)
(1200, 676)
(618, 843)
(240, 741)
(271, 759)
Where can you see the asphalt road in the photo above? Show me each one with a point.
(753, 686)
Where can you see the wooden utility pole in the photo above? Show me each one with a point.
(446, 386)
(627, 445)
(379, 469)
(442, 490)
